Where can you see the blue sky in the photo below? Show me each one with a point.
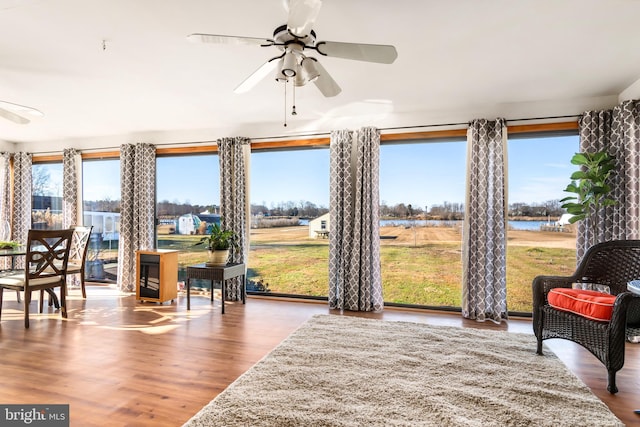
(420, 174)
(101, 180)
(539, 169)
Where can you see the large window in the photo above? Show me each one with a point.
(422, 195)
(46, 202)
(289, 206)
(422, 188)
(101, 209)
(539, 240)
(188, 199)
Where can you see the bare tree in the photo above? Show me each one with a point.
(40, 181)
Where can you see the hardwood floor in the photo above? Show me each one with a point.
(118, 362)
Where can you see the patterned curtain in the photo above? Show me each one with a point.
(71, 181)
(484, 283)
(618, 132)
(22, 188)
(355, 281)
(137, 208)
(234, 155)
(5, 204)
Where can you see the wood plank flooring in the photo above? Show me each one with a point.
(119, 362)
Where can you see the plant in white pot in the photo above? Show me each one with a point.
(219, 242)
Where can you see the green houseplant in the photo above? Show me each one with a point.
(219, 242)
(590, 186)
(9, 244)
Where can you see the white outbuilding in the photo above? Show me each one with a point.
(319, 227)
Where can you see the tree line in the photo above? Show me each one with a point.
(306, 209)
(446, 210)
(453, 210)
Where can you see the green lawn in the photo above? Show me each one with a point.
(525, 262)
(422, 274)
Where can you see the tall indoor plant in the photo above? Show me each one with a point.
(590, 184)
(219, 243)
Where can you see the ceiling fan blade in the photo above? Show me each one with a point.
(13, 112)
(325, 82)
(380, 53)
(264, 70)
(21, 109)
(302, 15)
(235, 40)
(13, 117)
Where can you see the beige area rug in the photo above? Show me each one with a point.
(346, 371)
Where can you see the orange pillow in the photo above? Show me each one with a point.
(590, 304)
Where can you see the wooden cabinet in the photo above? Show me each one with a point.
(157, 275)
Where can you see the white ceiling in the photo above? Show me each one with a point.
(457, 60)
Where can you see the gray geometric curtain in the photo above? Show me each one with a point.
(618, 132)
(137, 208)
(21, 200)
(484, 289)
(355, 280)
(5, 204)
(233, 154)
(71, 170)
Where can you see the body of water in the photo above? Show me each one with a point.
(514, 225)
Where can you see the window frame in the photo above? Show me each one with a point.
(544, 128)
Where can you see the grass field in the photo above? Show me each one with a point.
(419, 266)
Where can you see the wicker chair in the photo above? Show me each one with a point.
(614, 264)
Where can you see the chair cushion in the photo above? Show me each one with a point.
(590, 304)
(12, 278)
(15, 278)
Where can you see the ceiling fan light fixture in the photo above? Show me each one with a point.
(299, 79)
(290, 64)
(308, 69)
(280, 77)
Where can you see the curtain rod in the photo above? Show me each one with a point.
(573, 116)
(324, 134)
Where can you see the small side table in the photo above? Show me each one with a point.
(217, 273)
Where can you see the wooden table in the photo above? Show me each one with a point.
(13, 253)
(216, 273)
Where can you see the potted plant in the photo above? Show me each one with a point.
(9, 244)
(218, 243)
(591, 187)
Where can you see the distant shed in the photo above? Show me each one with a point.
(319, 227)
(564, 219)
(188, 224)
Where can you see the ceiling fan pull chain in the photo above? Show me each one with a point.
(293, 111)
(285, 102)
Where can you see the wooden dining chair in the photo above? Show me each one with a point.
(45, 268)
(78, 253)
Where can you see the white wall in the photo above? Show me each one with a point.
(632, 92)
(8, 146)
(380, 114)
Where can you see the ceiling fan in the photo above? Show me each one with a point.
(16, 112)
(293, 39)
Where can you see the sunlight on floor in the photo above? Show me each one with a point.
(104, 306)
